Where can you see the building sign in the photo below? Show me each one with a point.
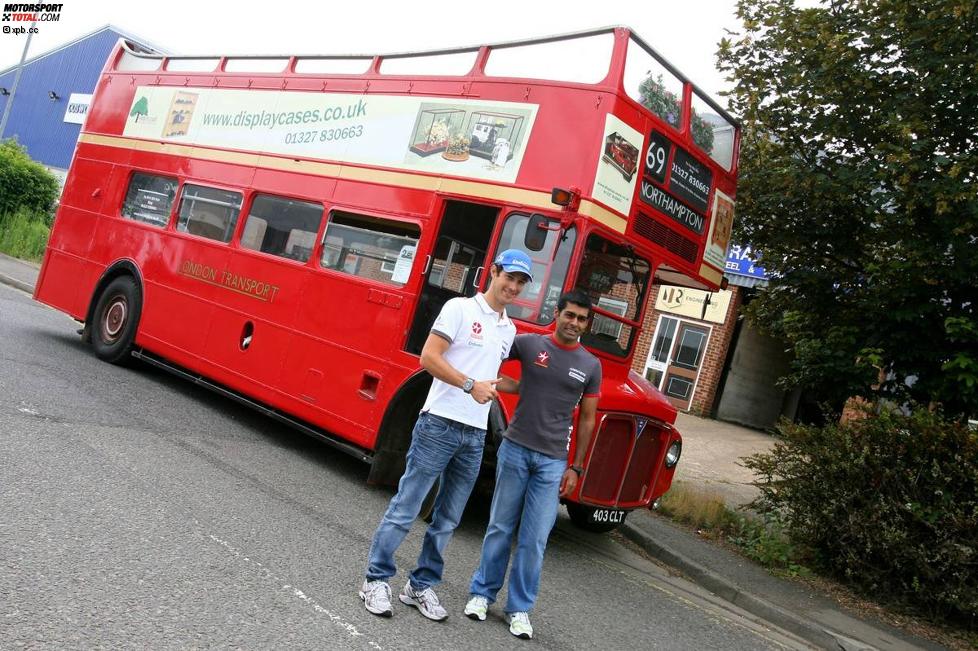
(689, 302)
(462, 137)
(741, 261)
(77, 108)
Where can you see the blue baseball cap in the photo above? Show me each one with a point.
(515, 261)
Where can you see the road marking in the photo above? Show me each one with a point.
(339, 621)
(27, 408)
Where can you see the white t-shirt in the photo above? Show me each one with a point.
(480, 340)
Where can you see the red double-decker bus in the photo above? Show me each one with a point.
(284, 230)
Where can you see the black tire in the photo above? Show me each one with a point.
(115, 319)
(581, 516)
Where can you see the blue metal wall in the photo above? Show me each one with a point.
(38, 122)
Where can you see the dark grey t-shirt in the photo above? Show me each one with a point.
(554, 379)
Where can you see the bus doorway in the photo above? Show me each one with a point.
(457, 265)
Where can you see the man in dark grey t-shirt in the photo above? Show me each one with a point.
(531, 467)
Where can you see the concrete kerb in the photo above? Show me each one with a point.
(18, 273)
(804, 628)
(19, 284)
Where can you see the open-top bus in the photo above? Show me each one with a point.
(284, 230)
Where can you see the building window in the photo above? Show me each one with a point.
(678, 387)
(149, 199)
(658, 360)
(690, 349)
(370, 247)
(209, 212)
(283, 227)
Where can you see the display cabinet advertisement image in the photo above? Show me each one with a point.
(469, 136)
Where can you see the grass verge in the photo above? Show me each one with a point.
(763, 540)
(23, 235)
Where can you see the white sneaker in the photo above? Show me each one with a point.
(519, 625)
(476, 608)
(376, 597)
(424, 600)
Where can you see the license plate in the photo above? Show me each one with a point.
(612, 516)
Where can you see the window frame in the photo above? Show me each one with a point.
(249, 202)
(635, 325)
(544, 317)
(387, 285)
(173, 203)
(233, 233)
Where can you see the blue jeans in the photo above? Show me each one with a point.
(527, 493)
(439, 447)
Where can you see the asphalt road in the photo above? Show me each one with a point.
(139, 511)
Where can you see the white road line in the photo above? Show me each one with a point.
(296, 592)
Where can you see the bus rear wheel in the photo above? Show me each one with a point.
(584, 517)
(115, 320)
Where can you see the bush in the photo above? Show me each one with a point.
(888, 502)
(25, 183)
(23, 235)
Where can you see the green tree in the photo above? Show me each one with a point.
(858, 187)
(141, 107)
(668, 106)
(24, 183)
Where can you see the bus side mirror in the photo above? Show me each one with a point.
(536, 233)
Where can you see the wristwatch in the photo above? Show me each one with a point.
(468, 384)
(577, 469)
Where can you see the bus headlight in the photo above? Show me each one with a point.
(672, 454)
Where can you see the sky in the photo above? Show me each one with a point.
(685, 32)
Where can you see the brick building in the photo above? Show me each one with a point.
(697, 348)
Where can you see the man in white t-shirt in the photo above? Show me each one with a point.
(468, 341)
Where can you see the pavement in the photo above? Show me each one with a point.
(710, 464)
(17, 273)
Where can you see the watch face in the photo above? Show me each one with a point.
(467, 385)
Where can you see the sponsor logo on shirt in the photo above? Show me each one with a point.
(543, 359)
(577, 375)
(475, 338)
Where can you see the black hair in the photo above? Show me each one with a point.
(575, 296)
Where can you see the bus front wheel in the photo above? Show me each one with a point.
(595, 519)
(115, 320)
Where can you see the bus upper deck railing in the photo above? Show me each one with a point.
(613, 58)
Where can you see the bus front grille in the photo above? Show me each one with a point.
(622, 465)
